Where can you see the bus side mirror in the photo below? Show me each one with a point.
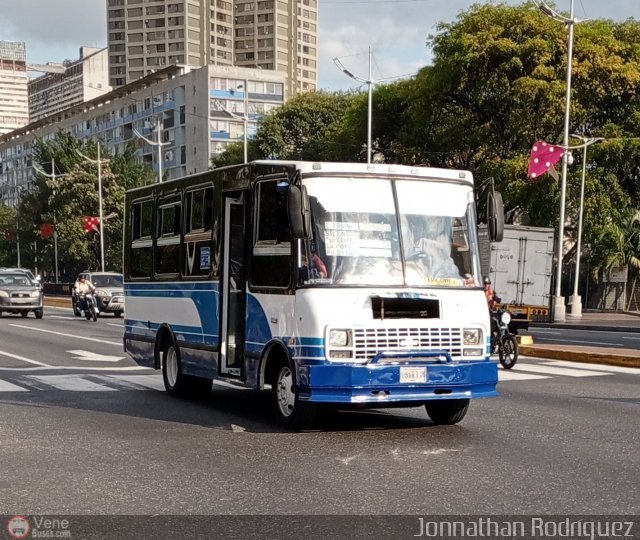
(495, 216)
(298, 210)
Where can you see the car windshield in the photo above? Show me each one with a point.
(106, 281)
(14, 279)
(364, 234)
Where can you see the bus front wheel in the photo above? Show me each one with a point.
(447, 412)
(290, 410)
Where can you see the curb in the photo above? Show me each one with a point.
(57, 301)
(607, 327)
(583, 356)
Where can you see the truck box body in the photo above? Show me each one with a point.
(520, 268)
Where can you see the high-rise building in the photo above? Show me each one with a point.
(147, 35)
(79, 81)
(14, 102)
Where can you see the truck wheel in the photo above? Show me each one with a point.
(289, 409)
(508, 353)
(38, 313)
(447, 411)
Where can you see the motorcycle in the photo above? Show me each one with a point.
(502, 340)
(91, 307)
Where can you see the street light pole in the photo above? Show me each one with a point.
(157, 143)
(55, 225)
(576, 303)
(99, 163)
(558, 307)
(370, 82)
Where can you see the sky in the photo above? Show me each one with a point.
(395, 30)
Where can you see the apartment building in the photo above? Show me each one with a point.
(178, 117)
(69, 84)
(147, 35)
(14, 103)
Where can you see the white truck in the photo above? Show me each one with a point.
(520, 268)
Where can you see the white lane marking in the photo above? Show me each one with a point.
(544, 331)
(549, 370)
(74, 336)
(121, 325)
(8, 387)
(504, 375)
(78, 368)
(94, 357)
(73, 383)
(595, 367)
(23, 359)
(148, 381)
(630, 337)
(63, 317)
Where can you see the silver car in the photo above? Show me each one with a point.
(19, 294)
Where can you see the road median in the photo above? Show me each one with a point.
(587, 355)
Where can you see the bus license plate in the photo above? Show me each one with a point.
(410, 374)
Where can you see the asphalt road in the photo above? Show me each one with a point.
(618, 339)
(84, 431)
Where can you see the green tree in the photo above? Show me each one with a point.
(73, 194)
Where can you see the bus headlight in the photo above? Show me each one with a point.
(339, 338)
(505, 317)
(471, 336)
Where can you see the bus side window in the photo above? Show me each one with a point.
(271, 246)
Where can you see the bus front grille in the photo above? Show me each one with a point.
(370, 341)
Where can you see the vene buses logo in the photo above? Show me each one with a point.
(18, 527)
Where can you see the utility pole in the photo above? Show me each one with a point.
(55, 226)
(157, 143)
(99, 163)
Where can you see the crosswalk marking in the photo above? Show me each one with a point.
(93, 382)
(508, 375)
(551, 370)
(73, 383)
(154, 382)
(594, 367)
(8, 387)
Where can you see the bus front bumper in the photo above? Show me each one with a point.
(395, 383)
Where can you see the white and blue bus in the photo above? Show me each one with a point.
(329, 283)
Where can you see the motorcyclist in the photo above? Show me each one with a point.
(492, 298)
(82, 287)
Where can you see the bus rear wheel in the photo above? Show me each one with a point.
(289, 409)
(447, 412)
(178, 384)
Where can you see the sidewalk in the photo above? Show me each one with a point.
(608, 322)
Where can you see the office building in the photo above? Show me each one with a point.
(186, 116)
(65, 85)
(144, 36)
(14, 103)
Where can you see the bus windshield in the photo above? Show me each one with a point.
(362, 235)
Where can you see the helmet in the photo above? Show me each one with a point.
(487, 281)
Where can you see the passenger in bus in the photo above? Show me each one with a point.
(428, 245)
(316, 269)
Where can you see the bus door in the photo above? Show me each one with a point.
(233, 287)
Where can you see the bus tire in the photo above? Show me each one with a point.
(289, 409)
(174, 381)
(447, 412)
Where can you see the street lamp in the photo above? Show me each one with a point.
(576, 304)
(558, 308)
(370, 82)
(99, 163)
(157, 143)
(53, 177)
